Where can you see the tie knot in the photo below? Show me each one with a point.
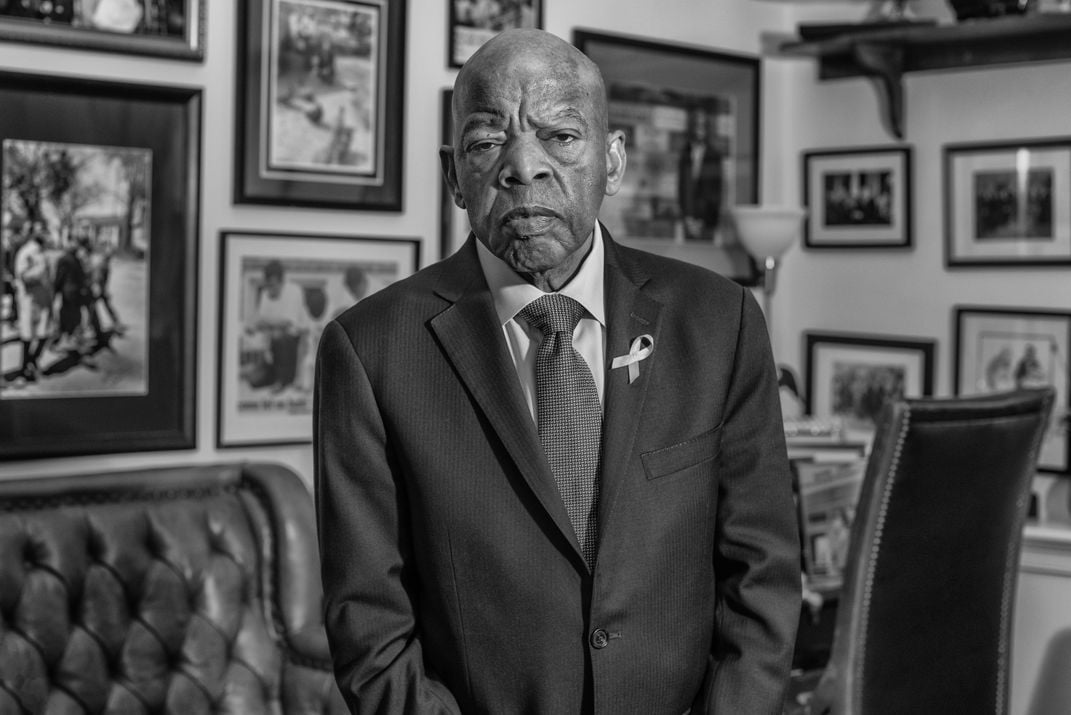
(553, 313)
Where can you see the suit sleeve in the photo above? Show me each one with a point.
(365, 553)
(756, 543)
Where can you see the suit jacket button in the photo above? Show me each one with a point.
(599, 639)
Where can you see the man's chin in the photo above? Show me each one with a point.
(532, 254)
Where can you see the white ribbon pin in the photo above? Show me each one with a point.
(641, 349)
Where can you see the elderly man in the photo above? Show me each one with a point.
(550, 470)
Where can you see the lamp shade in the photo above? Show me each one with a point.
(767, 231)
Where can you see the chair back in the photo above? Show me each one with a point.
(924, 621)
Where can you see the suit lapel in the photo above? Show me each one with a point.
(470, 337)
(630, 314)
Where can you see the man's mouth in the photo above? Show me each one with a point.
(529, 220)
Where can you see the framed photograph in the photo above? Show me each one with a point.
(161, 28)
(319, 118)
(691, 122)
(1008, 204)
(473, 22)
(999, 349)
(850, 376)
(277, 293)
(453, 222)
(98, 224)
(857, 198)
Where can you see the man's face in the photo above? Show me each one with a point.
(532, 159)
(273, 285)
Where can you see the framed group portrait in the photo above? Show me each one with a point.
(98, 224)
(850, 376)
(278, 291)
(473, 22)
(163, 28)
(690, 117)
(1001, 349)
(857, 198)
(1008, 203)
(319, 118)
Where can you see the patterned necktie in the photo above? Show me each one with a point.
(569, 413)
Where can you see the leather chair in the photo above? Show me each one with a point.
(924, 619)
(181, 590)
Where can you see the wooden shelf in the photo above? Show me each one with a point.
(885, 55)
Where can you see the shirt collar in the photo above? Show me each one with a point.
(511, 292)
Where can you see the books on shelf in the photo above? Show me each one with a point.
(822, 440)
(827, 496)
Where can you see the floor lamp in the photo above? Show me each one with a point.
(766, 232)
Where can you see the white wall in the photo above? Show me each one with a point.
(727, 24)
(911, 293)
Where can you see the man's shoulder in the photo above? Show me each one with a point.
(673, 275)
(400, 302)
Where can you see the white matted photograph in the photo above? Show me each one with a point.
(76, 231)
(278, 292)
(1000, 349)
(857, 198)
(851, 377)
(1009, 204)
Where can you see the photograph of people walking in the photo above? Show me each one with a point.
(74, 232)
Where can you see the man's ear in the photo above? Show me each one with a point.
(446, 161)
(616, 160)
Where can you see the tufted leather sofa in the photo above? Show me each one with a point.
(180, 590)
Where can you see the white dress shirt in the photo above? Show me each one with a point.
(511, 294)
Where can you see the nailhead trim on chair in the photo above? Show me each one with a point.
(868, 589)
(1006, 595)
(91, 498)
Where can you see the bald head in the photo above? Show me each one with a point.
(527, 52)
(532, 157)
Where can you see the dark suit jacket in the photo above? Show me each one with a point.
(699, 194)
(452, 577)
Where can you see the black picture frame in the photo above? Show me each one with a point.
(890, 366)
(1001, 348)
(320, 120)
(656, 91)
(465, 34)
(70, 118)
(1008, 203)
(265, 374)
(859, 197)
(176, 32)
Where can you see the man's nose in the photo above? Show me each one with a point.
(524, 161)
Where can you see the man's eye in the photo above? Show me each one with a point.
(481, 146)
(563, 138)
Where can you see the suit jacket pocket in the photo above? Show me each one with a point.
(678, 457)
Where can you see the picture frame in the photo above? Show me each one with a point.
(998, 349)
(101, 187)
(174, 32)
(675, 195)
(850, 376)
(1008, 203)
(453, 221)
(268, 335)
(858, 197)
(319, 118)
(471, 24)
